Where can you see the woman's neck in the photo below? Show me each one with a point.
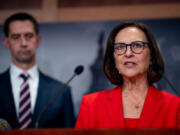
(135, 85)
(134, 91)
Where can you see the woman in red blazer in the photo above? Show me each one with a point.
(133, 62)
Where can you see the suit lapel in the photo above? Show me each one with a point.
(151, 108)
(7, 96)
(115, 111)
(43, 96)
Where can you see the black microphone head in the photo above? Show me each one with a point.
(79, 69)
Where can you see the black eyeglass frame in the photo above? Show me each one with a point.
(142, 42)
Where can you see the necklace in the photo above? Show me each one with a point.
(135, 101)
(137, 106)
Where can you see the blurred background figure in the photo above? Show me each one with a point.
(99, 82)
(25, 91)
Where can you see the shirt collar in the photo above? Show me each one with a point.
(16, 71)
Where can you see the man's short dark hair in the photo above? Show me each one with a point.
(20, 17)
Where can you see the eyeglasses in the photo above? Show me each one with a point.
(136, 47)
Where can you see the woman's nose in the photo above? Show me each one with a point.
(128, 52)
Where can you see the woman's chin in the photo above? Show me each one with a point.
(130, 75)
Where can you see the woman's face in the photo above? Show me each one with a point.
(130, 64)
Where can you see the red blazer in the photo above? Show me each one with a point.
(104, 110)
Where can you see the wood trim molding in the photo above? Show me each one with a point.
(51, 13)
(119, 12)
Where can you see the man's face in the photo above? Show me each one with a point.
(22, 42)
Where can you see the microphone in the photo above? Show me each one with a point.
(4, 124)
(77, 71)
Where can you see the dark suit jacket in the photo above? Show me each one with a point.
(59, 114)
(104, 110)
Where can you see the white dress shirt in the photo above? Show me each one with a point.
(16, 82)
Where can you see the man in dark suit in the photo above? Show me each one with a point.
(22, 40)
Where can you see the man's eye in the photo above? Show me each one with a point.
(29, 36)
(15, 36)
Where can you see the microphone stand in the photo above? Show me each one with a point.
(52, 101)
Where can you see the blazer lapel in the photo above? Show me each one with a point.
(151, 108)
(115, 110)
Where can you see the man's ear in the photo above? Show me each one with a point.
(6, 42)
(38, 41)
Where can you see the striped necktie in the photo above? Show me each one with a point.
(25, 114)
